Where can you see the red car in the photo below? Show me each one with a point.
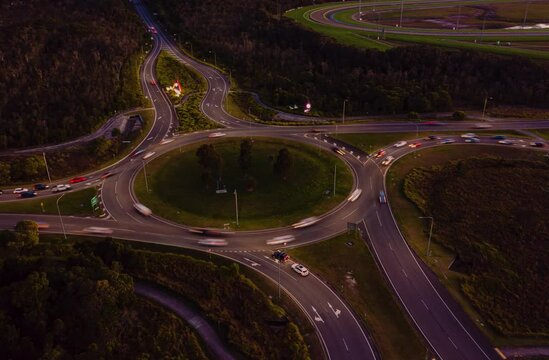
(380, 153)
(77, 179)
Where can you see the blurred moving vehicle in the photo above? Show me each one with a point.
(166, 141)
(468, 136)
(380, 153)
(338, 150)
(42, 225)
(98, 230)
(447, 141)
(415, 145)
(281, 240)
(499, 137)
(482, 126)
(387, 160)
(306, 222)
(213, 242)
(142, 209)
(300, 269)
(28, 194)
(148, 155)
(280, 256)
(40, 187)
(472, 140)
(382, 197)
(107, 175)
(355, 195)
(77, 179)
(207, 232)
(20, 190)
(400, 144)
(537, 144)
(216, 134)
(432, 137)
(505, 142)
(61, 187)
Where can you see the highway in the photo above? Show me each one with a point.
(448, 331)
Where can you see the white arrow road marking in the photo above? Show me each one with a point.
(317, 317)
(336, 311)
(252, 262)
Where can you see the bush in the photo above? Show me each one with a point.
(459, 115)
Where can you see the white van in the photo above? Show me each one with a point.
(142, 209)
(400, 144)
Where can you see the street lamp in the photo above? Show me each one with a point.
(60, 217)
(145, 173)
(485, 103)
(46, 163)
(401, 11)
(190, 43)
(335, 174)
(343, 116)
(430, 233)
(215, 57)
(236, 205)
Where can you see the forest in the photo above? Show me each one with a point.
(65, 66)
(59, 301)
(492, 213)
(289, 65)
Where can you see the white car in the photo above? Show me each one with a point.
(387, 160)
(281, 240)
(213, 242)
(142, 209)
(400, 144)
(166, 141)
(148, 155)
(20, 190)
(505, 142)
(447, 141)
(61, 187)
(468, 136)
(98, 230)
(216, 134)
(305, 222)
(300, 269)
(355, 195)
(482, 126)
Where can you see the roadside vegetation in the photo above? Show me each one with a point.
(70, 203)
(60, 300)
(348, 266)
(287, 64)
(169, 70)
(489, 242)
(69, 66)
(278, 182)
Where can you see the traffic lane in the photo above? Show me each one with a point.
(341, 333)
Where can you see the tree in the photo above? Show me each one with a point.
(5, 177)
(100, 147)
(211, 163)
(245, 157)
(459, 115)
(26, 232)
(282, 164)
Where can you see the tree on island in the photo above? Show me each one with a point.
(283, 164)
(211, 163)
(245, 157)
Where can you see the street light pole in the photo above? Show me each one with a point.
(145, 173)
(47, 169)
(236, 205)
(278, 280)
(484, 108)
(60, 217)
(343, 116)
(430, 233)
(401, 11)
(525, 14)
(335, 174)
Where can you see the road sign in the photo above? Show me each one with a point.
(94, 201)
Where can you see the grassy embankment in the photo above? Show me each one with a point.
(169, 70)
(352, 272)
(359, 38)
(71, 203)
(178, 193)
(416, 232)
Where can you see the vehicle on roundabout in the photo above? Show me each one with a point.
(28, 194)
(213, 242)
(77, 179)
(142, 209)
(415, 145)
(148, 155)
(472, 140)
(166, 141)
(537, 144)
(380, 153)
(382, 197)
(207, 232)
(40, 187)
(306, 222)
(300, 269)
(387, 160)
(505, 142)
(61, 187)
(482, 126)
(400, 144)
(216, 134)
(20, 190)
(447, 141)
(281, 240)
(468, 136)
(338, 151)
(98, 230)
(499, 137)
(355, 195)
(432, 137)
(107, 175)
(280, 256)
(42, 225)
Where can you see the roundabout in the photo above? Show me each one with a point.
(179, 192)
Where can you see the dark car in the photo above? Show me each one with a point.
(537, 144)
(28, 194)
(499, 137)
(41, 187)
(280, 256)
(433, 137)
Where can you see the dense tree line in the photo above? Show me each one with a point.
(65, 66)
(62, 302)
(289, 65)
(493, 214)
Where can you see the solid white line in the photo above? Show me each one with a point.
(404, 272)
(452, 342)
(345, 343)
(378, 219)
(349, 214)
(424, 304)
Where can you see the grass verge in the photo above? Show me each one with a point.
(416, 232)
(71, 203)
(352, 271)
(179, 194)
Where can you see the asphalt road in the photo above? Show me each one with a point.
(445, 327)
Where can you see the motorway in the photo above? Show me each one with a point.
(448, 331)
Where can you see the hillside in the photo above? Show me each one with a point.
(492, 213)
(289, 65)
(64, 67)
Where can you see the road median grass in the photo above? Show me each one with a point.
(265, 200)
(346, 263)
(416, 231)
(71, 203)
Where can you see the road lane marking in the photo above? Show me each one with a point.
(345, 343)
(452, 342)
(253, 263)
(404, 272)
(349, 214)
(378, 218)
(317, 316)
(336, 311)
(371, 186)
(424, 304)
